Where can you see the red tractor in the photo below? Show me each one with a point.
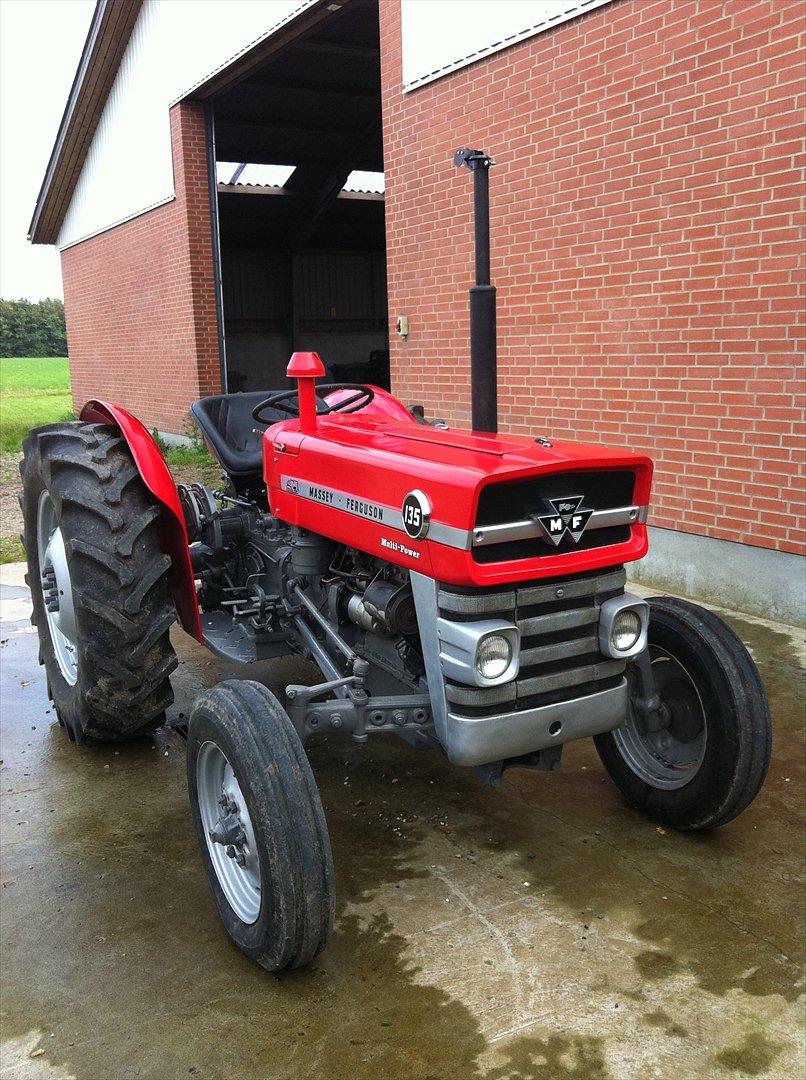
(463, 590)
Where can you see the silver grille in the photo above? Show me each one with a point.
(559, 656)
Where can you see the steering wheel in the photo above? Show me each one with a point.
(287, 401)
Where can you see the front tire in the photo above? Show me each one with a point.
(708, 760)
(99, 582)
(260, 825)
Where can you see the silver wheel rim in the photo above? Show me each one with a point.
(228, 831)
(670, 758)
(57, 589)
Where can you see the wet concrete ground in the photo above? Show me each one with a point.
(541, 930)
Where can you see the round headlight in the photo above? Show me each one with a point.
(626, 630)
(494, 656)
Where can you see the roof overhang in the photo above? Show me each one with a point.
(109, 33)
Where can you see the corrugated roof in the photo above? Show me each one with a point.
(365, 181)
(251, 175)
(248, 174)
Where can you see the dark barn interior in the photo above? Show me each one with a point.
(303, 262)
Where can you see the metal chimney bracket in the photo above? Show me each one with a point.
(473, 159)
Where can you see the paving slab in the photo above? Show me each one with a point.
(540, 930)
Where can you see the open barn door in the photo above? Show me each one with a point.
(299, 206)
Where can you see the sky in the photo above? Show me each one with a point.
(40, 46)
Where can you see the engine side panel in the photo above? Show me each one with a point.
(157, 478)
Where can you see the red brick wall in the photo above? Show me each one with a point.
(139, 299)
(648, 245)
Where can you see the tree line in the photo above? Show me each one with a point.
(32, 329)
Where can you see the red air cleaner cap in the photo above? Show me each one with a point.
(305, 365)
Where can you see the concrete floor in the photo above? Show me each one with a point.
(542, 930)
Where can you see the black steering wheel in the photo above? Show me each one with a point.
(287, 401)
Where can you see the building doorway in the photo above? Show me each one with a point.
(299, 194)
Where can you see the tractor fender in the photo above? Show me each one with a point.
(383, 404)
(157, 478)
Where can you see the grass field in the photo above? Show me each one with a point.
(36, 391)
(33, 391)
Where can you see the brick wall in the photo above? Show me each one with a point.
(139, 298)
(648, 246)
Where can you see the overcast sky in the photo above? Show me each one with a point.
(40, 44)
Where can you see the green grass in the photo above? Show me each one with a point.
(190, 463)
(33, 391)
(11, 550)
(34, 373)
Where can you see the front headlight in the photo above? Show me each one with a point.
(483, 653)
(623, 623)
(494, 656)
(626, 630)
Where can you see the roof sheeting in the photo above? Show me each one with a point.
(365, 181)
(249, 174)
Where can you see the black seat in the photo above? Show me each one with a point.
(227, 425)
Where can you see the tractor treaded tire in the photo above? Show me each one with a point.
(739, 738)
(109, 521)
(248, 724)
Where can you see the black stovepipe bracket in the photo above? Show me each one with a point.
(483, 374)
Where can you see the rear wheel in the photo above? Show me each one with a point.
(98, 582)
(260, 825)
(704, 758)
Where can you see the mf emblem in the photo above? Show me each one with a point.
(569, 516)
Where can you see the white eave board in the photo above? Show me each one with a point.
(441, 36)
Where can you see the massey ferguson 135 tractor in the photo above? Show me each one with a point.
(462, 590)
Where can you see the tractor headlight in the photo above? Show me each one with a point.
(483, 653)
(623, 625)
(493, 656)
(625, 631)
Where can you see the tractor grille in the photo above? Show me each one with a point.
(506, 522)
(559, 659)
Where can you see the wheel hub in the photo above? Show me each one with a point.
(230, 836)
(57, 589)
(668, 753)
(229, 831)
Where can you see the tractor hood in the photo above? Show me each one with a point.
(464, 507)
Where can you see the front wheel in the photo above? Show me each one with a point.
(260, 825)
(705, 757)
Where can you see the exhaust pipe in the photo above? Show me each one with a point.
(483, 360)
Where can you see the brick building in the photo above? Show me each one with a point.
(647, 228)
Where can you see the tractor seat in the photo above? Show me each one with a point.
(233, 436)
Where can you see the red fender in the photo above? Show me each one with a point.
(384, 404)
(157, 478)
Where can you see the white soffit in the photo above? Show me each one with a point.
(440, 36)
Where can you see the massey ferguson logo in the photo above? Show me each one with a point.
(569, 517)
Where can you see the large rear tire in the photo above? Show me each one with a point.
(260, 825)
(707, 759)
(98, 582)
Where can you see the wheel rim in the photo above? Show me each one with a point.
(228, 831)
(671, 757)
(57, 589)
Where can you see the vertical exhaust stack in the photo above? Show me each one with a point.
(483, 374)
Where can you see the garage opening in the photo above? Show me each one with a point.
(300, 206)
